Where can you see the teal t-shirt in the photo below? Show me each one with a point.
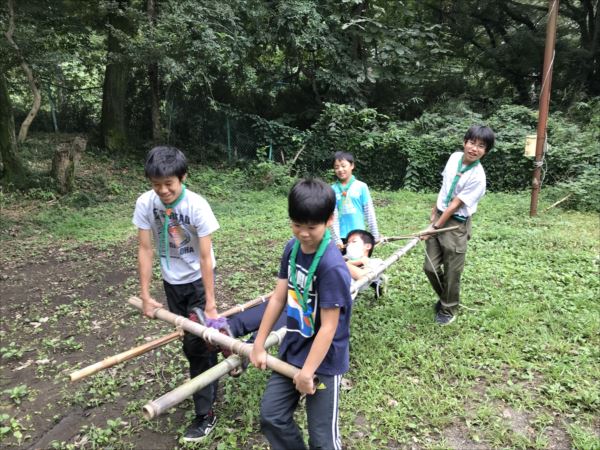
(351, 206)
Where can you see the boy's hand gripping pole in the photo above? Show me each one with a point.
(214, 337)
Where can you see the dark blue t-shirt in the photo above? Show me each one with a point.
(330, 288)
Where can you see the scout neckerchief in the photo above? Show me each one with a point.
(168, 213)
(303, 299)
(344, 191)
(459, 171)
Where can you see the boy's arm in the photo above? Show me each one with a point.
(277, 301)
(454, 206)
(356, 269)
(145, 254)
(369, 213)
(208, 277)
(335, 229)
(320, 346)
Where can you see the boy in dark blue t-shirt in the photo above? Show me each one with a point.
(314, 286)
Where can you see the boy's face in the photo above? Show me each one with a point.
(343, 169)
(357, 246)
(474, 149)
(167, 188)
(310, 235)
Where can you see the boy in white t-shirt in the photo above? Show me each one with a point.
(463, 186)
(181, 223)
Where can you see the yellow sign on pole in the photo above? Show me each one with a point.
(530, 142)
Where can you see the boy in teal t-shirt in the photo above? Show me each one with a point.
(354, 205)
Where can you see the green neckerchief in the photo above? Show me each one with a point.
(168, 213)
(344, 190)
(459, 171)
(303, 299)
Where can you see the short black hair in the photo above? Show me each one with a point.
(311, 201)
(366, 237)
(482, 133)
(342, 156)
(165, 161)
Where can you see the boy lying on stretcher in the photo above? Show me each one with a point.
(359, 249)
(359, 262)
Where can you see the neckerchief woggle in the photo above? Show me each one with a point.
(459, 171)
(344, 190)
(303, 299)
(168, 213)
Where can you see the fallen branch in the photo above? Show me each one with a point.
(557, 203)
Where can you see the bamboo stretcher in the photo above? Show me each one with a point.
(156, 407)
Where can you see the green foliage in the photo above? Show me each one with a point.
(10, 426)
(12, 351)
(411, 155)
(109, 437)
(263, 175)
(17, 393)
(575, 158)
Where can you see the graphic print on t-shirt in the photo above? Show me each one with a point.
(300, 321)
(180, 235)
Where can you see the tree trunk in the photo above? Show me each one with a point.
(113, 123)
(594, 78)
(64, 163)
(37, 96)
(13, 171)
(153, 78)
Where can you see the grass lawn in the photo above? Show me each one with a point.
(520, 367)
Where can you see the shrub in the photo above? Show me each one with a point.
(269, 175)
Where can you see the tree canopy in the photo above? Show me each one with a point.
(131, 72)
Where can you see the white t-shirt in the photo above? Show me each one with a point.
(372, 265)
(470, 187)
(191, 219)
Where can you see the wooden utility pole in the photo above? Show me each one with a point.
(544, 105)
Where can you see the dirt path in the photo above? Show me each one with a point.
(65, 308)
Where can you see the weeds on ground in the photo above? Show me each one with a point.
(520, 362)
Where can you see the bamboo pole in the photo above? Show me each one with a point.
(125, 356)
(142, 349)
(157, 407)
(214, 337)
(419, 234)
(251, 304)
(374, 273)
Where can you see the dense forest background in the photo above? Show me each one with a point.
(272, 88)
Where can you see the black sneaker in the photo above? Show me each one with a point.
(200, 428)
(380, 285)
(444, 317)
